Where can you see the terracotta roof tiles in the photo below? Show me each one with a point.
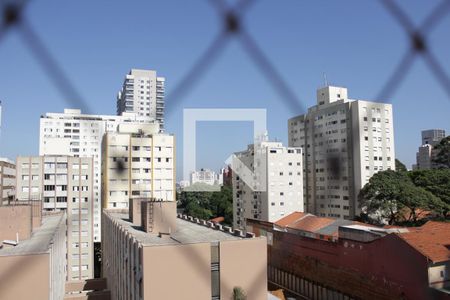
(432, 240)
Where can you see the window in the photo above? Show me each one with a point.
(61, 199)
(61, 165)
(49, 187)
(25, 177)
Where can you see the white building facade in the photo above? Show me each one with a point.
(7, 180)
(283, 190)
(204, 176)
(64, 183)
(142, 92)
(344, 143)
(80, 135)
(137, 162)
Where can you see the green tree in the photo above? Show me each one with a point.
(442, 158)
(238, 294)
(207, 205)
(378, 199)
(388, 194)
(399, 166)
(436, 182)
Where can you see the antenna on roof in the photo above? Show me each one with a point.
(325, 79)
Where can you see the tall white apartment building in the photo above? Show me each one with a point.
(143, 93)
(283, 190)
(344, 143)
(7, 180)
(137, 162)
(426, 153)
(75, 134)
(64, 183)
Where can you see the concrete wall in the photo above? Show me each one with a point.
(159, 216)
(135, 210)
(15, 220)
(243, 264)
(24, 277)
(177, 272)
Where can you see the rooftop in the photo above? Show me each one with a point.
(40, 240)
(431, 239)
(324, 226)
(187, 232)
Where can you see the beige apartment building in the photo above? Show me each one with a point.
(137, 161)
(63, 183)
(7, 180)
(179, 257)
(32, 258)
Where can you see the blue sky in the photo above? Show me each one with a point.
(356, 43)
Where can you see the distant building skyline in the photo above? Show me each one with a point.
(97, 66)
(426, 153)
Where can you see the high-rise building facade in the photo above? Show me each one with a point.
(283, 190)
(344, 143)
(80, 135)
(142, 92)
(137, 161)
(7, 180)
(426, 152)
(432, 136)
(64, 183)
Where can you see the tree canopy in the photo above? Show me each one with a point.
(207, 205)
(399, 166)
(442, 158)
(394, 197)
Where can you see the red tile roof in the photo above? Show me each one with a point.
(283, 222)
(432, 240)
(311, 223)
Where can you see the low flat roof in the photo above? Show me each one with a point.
(40, 240)
(187, 233)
